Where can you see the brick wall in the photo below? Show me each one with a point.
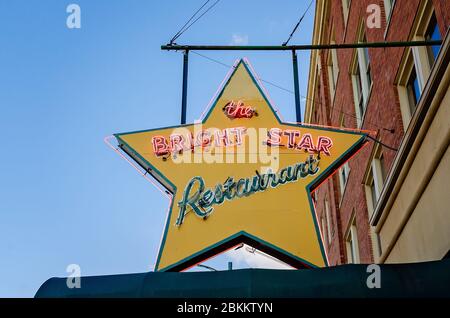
(382, 116)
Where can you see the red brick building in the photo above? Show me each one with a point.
(375, 89)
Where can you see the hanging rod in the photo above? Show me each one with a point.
(176, 47)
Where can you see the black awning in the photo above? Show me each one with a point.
(431, 279)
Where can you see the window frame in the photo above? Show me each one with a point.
(328, 221)
(375, 176)
(351, 242)
(425, 16)
(388, 18)
(374, 180)
(323, 223)
(333, 68)
(407, 68)
(361, 72)
(428, 36)
(344, 169)
(346, 11)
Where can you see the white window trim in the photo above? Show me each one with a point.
(402, 83)
(419, 57)
(369, 197)
(376, 247)
(323, 224)
(352, 244)
(374, 175)
(388, 8)
(388, 17)
(377, 176)
(333, 69)
(359, 116)
(363, 65)
(346, 167)
(342, 184)
(359, 61)
(328, 221)
(332, 83)
(354, 235)
(346, 11)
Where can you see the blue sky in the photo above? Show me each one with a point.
(65, 196)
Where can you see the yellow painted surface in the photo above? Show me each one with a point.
(280, 216)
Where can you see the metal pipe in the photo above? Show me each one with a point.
(298, 47)
(298, 111)
(207, 267)
(184, 91)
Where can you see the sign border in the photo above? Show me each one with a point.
(242, 236)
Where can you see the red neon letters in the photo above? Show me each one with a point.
(276, 137)
(177, 143)
(294, 140)
(238, 110)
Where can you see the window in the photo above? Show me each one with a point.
(377, 248)
(366, 63)
(409, 88)
(359, 94)
(333, 68)
(413, 89)
(417, 62)
(374, 181)
(328, 221)
(344, 171)
(382, 169)
(352, 244)
(433, 34)
(388, 6)
(343, 177)
(361, 74)
(324, 231)
(373, 194)
(346, 9)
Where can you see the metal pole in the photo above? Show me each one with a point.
(184, 91)
(296, 87)
(207, 267)
(298, 47)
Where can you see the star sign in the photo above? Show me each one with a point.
(241, 175)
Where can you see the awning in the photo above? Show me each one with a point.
(431, 279)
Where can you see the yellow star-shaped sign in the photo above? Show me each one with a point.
(241, 176)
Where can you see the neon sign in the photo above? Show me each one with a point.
(293, 141)
(177, 143)
(237, 109)
(217, 204)
(276, 137)
(203, 200)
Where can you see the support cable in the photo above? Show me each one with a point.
(190, 19)
(298, 23)
(179, 33)
(381, 143)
